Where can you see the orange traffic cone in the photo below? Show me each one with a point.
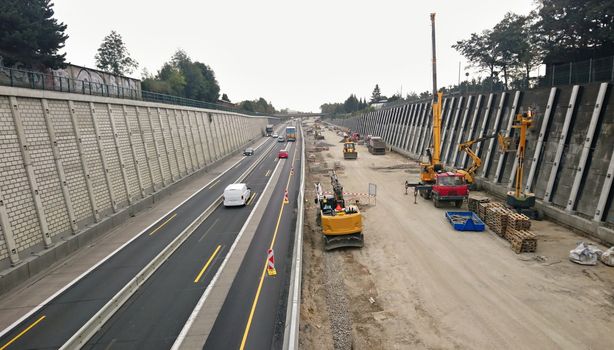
(338, 208)
(286, 200)
(270, 268)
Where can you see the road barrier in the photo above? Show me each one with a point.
(270, 269)
(293, 311)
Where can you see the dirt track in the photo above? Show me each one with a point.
(417, 283)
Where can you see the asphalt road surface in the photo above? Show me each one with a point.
(155, 315)
(54, 323)
(254, 312)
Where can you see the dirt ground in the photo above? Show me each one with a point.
(419, 284)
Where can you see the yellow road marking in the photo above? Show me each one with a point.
(22, 333)
(255, 302)
(159, 227)
(251, 198)
(215, 183)
(206, 265)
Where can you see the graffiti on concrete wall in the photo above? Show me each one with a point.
(73, 78)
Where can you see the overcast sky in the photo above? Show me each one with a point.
(296, 54)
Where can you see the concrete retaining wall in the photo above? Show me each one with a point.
(69, 162)
(569, 160)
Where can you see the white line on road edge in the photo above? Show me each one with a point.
(81, 276)
(203, 298)
(293, 310)
(87, 331)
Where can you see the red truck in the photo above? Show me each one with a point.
(449, 187)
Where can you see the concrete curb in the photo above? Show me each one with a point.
(293, 312)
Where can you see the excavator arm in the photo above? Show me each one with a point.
(476, 162)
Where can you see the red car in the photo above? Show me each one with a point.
(282, 154)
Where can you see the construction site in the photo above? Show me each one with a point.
(419, 283)
(432, 231)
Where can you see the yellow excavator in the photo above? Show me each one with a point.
(349, 149)
(476, 162)
(341, 222)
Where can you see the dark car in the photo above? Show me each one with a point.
(248, 152)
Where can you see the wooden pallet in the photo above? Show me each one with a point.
(473, 202)
(496, 218)
(482, 207)
(522, 241)
(519, 221)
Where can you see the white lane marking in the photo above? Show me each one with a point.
(201, 302)
(71, 283)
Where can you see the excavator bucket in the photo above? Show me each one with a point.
(336, 242)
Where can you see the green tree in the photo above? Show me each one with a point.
(394, 97)
(412, 96)
(376, 94)
(260, 106)
(225, 98)
(332, 108)
(30, 36)
(480, 50)
(113, 56)
(185, 78)
(575, 29)
(351, 104)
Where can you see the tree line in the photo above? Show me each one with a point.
(556, 31)
(31, 38)
(353, 104)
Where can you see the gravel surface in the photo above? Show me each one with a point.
(337, 302)
(418, 284)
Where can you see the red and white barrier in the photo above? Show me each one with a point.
(270, 268)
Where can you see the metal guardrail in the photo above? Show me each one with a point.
(51, 82)
(293, 311)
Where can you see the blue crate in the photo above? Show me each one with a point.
(472, 222)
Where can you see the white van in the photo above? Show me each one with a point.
(236, 195)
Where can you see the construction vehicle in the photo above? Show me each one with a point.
(349, 150)
(341, 222)
(521, 201)
(435, 183)
(476, 162)
(376, 145)
(449, 187)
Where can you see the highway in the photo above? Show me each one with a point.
(154, 317)
(254, 312)
(51, 324)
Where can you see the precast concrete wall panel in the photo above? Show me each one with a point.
(68, 161)
(70, 158)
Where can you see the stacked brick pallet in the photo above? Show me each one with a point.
(506, 223)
